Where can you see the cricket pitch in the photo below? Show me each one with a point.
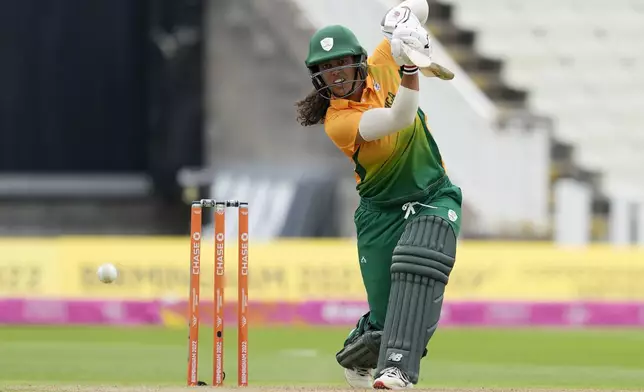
(107, 388)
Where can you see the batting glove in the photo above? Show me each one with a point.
(414, 36)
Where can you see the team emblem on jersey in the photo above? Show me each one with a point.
(451, 214)
(376, 86)
(327, 43)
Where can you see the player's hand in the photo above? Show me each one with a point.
(401, 12)
(414, 36)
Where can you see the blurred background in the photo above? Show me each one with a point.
(116, 114)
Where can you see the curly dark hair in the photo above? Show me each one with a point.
(312, 109)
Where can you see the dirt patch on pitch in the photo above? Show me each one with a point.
(108, 388)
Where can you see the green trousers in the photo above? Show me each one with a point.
(380, 225)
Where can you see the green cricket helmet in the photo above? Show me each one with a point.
(334, 42)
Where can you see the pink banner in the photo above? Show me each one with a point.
(501, 314)
(17, 311)
(306, 313)
(334, 313)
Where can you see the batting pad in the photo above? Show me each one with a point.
(421, 265)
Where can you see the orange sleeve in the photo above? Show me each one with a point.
(382, 55)
(342, 128)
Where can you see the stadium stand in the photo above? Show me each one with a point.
(574, 61)
(509, 108)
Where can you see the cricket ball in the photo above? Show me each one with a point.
(107, 273)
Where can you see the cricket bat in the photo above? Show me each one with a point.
(437, 70)
(427, 67)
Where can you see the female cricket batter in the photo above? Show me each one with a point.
(408, 218)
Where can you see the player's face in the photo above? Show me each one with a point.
(337, 75)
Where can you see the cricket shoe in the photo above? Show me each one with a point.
(392, 378)
(359, 377)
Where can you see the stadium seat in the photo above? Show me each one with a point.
(582, 63)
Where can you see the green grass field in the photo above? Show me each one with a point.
(460, 358)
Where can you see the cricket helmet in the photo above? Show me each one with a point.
(334, 42)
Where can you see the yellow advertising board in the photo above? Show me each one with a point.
(159, 268)
(293, 270)
(543, 272)
(29, 267)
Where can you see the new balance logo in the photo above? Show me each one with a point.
(395, 357)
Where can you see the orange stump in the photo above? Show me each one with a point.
(193, 299)
(218, 375)
(242, 298)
